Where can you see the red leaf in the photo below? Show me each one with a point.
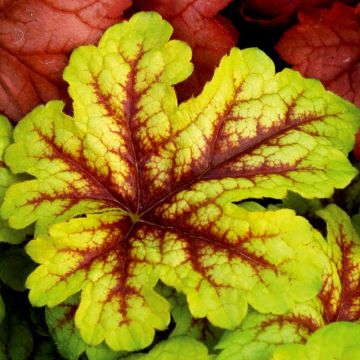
(278, 12)
(36, 38)
(326, 45)
(210, 36)
(357, 146)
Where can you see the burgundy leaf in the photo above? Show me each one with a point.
(278, 12)
(326, 45)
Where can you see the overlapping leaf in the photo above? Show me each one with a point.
(326, 45)
(340, 295)
(185, 324)
(36, 38)
(259, 335)
(67, 338)
(152, 184)
(339, 300)
(278, 12)
(338, 341)
(70, 344)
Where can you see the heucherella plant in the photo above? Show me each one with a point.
(135, 188)
(71, 346)
(338, 301)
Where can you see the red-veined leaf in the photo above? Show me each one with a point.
(339, 300)
(326, 45)
(197, 22)
(153, 184)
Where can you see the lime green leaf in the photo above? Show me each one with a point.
(340, 294)
(15, 266)
(6, 179)
(337, 341)
(259, 335)
(176, 348)
(152, 183)
(67, 338)
(338, 300)
(106, 307)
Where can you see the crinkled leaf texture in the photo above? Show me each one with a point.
(326, 45)
(60, 320)
(150, 185)
(339, 300)
(260, 334)
(337, 341)
(279, 12)
(35, 40)
(340, 293)
(71, 346)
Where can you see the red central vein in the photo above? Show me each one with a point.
(347, 294)
(82, 169)
(266, 137)
(258, 261)
(130, 109)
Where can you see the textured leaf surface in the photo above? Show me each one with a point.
(278, 12)
(259, 335)
(197, 21)
(340, 294)
(6, 179)
(326, 45)
(69, 343)
(160, 179)
(338, 341)
(35, 40)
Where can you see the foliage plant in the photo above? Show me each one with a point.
(161, 229)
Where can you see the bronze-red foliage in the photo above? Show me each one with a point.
(278, 12)
(326, 45)
(36, 37)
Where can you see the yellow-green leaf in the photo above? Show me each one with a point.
(142, 188)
